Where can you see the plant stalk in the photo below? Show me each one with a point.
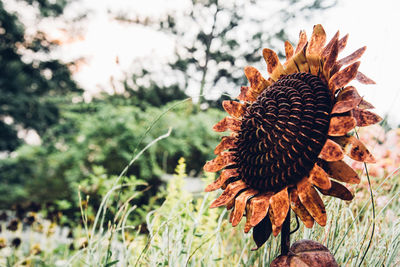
(285, 235)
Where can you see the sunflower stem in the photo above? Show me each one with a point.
(285, 235)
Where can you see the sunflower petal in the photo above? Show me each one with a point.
(279, 206)
(262, 232)
(365, 117)
(343, 77)
(300, 210)
(275, 229)
(364, 79)
(341, 125)
(258, 208)
(256, 80)
(364, 104)
(221, 161)
(246, 95)
(318, 177)
(331, 151)
(274, 66)
(230, 192)
(331, 59)
(227, 142)
(340, 171)
(301, 63)
(230, 204)
(240, 205)
(347, 100)
(302, 42)
(337, 190)
(329, 47)
(227, 123)
(289, 50)
(314, 48)
(353, 57)
(233, 108)
(225, 175)
(355, 149)
(343, 42)
(312, 201)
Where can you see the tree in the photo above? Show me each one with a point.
(215, 39)
(31, 83)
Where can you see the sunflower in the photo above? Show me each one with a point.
(289, 136)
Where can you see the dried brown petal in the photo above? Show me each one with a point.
(246, 95)
(355, 149)
(240, 205)
(225, 175)
(289, 50)
(364, 79)
(314, 48)
(365, 117)
(331, 151)
(329, 47)
(364, 104)
(262, 232)
(346, 100)
(318, 177)
(221, 161)
(228, 123)
(330, 59)
(337, 190)
(230, 192)
(343, 42)
(353, 57)
(343, 77)
(233, 108)
(258, 208)
(280, 206)
(227, 142)
(275, 229)
(300, 210)
(257, 82)
(340, 171)
(274, 66)
(302, 42)
(312, 201)
(341, 125)
(301, 62)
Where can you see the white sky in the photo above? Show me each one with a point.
(369, 22)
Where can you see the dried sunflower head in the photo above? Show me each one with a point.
(289, 135)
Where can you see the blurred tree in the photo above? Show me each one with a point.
(29, 79)
(215, 39)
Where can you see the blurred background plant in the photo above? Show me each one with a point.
(59, 137)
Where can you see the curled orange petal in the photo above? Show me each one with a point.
(365, 117)
(341, 125)
(227, 142)
(225, 175)
(233, 108)
(246, 95)
(289, 50)
(228, 123)
(274, 66)
(258, 208)
(314, 48)
(256, 80)
(280, 206)
(300, 210)
(318, 177)
(312, 201)
(221, 161)
(343, 77)
(302, 42)
(240, 205)
(331, 151)
(337, 190)
(340, 171)
(230, 192)
(355, 149)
